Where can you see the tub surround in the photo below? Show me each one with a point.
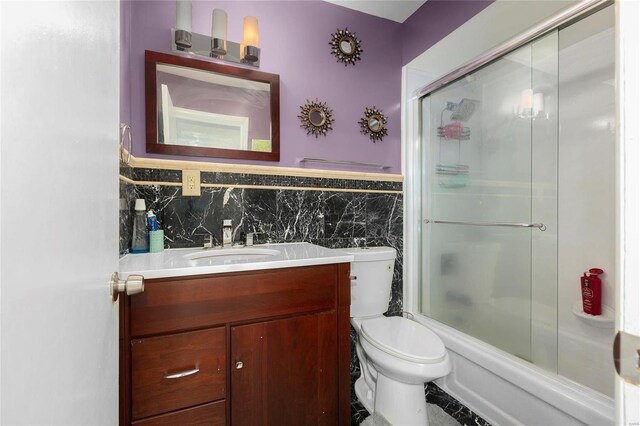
(536, 397)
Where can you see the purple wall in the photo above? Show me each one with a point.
(433, 21)
(294, 39)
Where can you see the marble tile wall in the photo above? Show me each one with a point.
(127, 200)
(223, 178)
(334, 219)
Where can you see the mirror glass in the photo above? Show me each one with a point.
(316, 117)
(375, 125)
(346, 45)
(208, 109)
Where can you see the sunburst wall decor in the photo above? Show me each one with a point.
(316, 118)
(373, 124)
(345, 46)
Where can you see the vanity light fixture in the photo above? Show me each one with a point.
(219, 32)
(250, 52)
(183, 24)
(216, 46)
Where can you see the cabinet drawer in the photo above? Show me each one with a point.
(176, 304)
(212, 414)
(177, 371)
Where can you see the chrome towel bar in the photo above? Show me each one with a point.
(540, 226)
(345, 163)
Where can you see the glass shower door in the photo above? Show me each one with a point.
(489, 203)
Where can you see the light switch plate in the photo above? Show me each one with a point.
(191, 182)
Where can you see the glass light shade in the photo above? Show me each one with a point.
(251, 37)
(219, 24)
(526, 99)
(538, 103)
(183, 15)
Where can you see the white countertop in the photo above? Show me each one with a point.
(181, 262)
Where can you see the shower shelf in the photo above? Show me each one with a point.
(605, 320)
(449, 132)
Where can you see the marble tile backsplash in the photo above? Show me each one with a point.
(334, 219)
(127, 200)
(225, 178)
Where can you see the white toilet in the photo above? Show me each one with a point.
(397, 355)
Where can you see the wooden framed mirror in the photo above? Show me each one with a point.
(206, 109)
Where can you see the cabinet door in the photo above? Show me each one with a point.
(284, 372)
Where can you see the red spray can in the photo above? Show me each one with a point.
(592, 292)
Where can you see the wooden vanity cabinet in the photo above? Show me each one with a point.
(264, 347)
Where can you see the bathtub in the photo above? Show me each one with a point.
(505, 390)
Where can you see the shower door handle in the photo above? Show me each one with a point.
(540, 226)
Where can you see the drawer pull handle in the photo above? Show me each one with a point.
(182, 374)
(239, 365)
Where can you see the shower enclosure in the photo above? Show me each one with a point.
(517, 200)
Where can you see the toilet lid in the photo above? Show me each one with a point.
(404, 338)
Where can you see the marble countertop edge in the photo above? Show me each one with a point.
(176, 262)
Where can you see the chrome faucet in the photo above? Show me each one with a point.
(227, 233)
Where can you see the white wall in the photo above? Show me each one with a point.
(586, 209)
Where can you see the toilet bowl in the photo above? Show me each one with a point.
(396, 355)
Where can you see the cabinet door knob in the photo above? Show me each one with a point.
(239, 365)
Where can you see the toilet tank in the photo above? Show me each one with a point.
(372, 274)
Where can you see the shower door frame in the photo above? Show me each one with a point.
(628, 194)
(627, 396)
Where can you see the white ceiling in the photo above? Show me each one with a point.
(395, 10)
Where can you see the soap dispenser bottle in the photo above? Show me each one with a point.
(140, 239)
(592, 292)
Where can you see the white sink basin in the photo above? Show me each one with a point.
(228, 255)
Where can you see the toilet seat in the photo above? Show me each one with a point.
(404, 339)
